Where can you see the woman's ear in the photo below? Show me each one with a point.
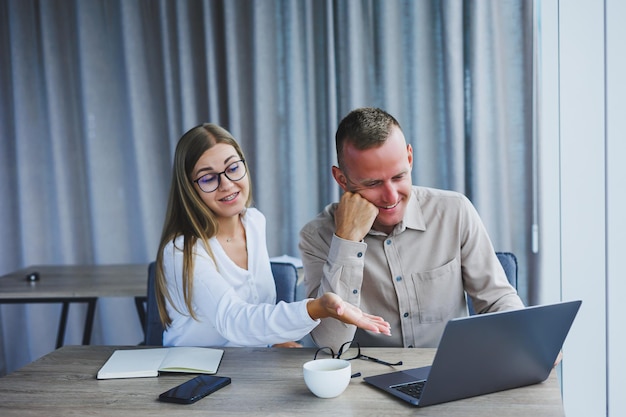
(340, 178)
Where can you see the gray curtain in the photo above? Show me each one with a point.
(96, 93)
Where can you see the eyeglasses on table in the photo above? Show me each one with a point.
(352, 350)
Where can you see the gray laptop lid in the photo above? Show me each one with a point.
(489, 352)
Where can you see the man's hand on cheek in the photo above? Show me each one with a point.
(354, 217)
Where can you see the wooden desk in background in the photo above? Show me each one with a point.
(76, 284)
(265, 381)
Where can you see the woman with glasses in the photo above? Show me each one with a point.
(214, 282)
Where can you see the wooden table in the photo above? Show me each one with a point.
(265, 381)
(68, 284)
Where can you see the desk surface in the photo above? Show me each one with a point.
(75, 281)
(264, 382)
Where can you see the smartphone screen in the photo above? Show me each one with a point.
(194, 389)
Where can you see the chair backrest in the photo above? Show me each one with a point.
(509, 264)
(285, 279)
(154, 328)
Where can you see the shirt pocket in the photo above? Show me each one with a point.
(438, 291)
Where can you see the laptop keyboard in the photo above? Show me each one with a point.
(414, 389)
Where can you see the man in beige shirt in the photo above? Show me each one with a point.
(399, 251)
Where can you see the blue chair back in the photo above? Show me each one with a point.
(154, 329)
(509, 264)
(286, 280)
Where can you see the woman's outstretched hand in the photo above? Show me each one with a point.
(331, 305)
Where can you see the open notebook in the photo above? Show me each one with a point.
(138, 363)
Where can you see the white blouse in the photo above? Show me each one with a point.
(234, 306)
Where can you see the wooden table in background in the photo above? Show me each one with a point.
(265, 381)
(68, 284)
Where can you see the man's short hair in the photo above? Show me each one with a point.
(363, 128)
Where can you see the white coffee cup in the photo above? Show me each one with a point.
(327, 378)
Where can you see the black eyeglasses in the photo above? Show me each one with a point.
(234, 172)
(349, 352)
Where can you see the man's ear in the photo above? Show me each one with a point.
(341, 179)
(409, 150)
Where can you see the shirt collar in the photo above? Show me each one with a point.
(414, 217)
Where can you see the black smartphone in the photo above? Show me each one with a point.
(191, 391)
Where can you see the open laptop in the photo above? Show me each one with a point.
(486, 353)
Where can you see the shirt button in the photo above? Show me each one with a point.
(398, 279)
(388, 241)
(406, 314)
(359, 255)
(355, 291)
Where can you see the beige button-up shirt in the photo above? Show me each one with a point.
(415, 278)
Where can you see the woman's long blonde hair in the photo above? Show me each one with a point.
(187, 215)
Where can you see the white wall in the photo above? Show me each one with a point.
(582, 145)
(616, 202)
